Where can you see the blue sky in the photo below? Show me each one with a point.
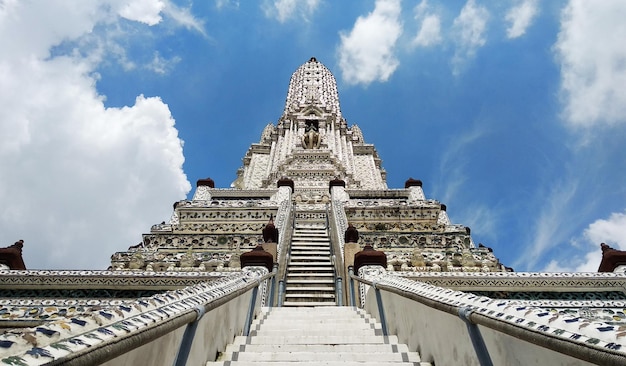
(512, 113)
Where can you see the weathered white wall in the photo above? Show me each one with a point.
(215, 330)
(443, 338)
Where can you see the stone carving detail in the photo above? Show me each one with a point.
(284, 212)
(339, 194)
(194, 252)
(252, 202)
(202, 193)
(340, 219)
(258, 166)
(311, 139)
(268, 131)
(416, 194)
(311, 197)
(365, 172)
(443, 218)
(225, 215)
(174, 219)
(357, 135)
(313, 84)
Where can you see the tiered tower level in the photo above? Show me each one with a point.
(311, 145)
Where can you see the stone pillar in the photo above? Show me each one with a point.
(283, 197)
(270, 238)
(416, 193)
(203, 189)
(369, 256)
(257, 257)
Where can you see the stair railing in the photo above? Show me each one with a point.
(178, 314)
(478, 313)
(336, 259)
(285, 249)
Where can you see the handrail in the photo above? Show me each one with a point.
(337, 264)
(284, 254)
(568, 347)
(97, 354)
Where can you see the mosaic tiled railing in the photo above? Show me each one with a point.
(575, 329)
(592, 296)
(104, 279)
(99, 324)
(493, 281)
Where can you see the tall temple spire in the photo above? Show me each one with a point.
(311, 143)
(312, 84)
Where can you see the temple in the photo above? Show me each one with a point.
(310, 257)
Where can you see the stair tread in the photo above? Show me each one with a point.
(313, 363)
(329, 356)
(316, 348)
(309, 296)
(306, 283)
(308, 304)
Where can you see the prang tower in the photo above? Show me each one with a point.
(314, 175)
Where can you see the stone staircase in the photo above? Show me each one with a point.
(310, 272)
(329, 336)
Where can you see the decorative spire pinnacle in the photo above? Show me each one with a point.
(312, 84)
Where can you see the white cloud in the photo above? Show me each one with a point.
(469, 29)
(366, 53)
(144, 11)
(592, 56)
(161, 65)
(78, 181)
(611, 231)
(284, 10)
(550, 226)
(452, 167)
(183, 17)
(520, 17)
(219, 4)
(430, 30)
(429, 33)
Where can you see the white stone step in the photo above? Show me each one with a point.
(308, 304)
(305, 282)
(304, 274)
(310, 240)
(316, 339)
(310, 265)
(318, 316)
(355, 323)
(309, 251)
(313, 332)
(314, 363)
(309, 258)
(318, 348)
(329, 356)
(338, 311)
(310, 288)
(309, 296)
(330, 336)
